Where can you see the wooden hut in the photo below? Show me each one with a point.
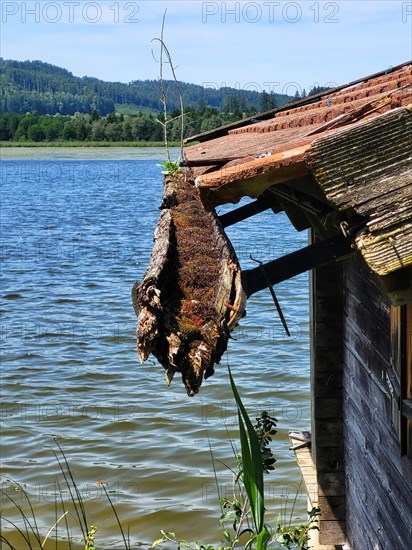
(340, 165)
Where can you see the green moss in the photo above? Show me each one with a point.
(181, 220)
(187, 328)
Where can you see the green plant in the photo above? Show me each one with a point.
(297, 537)
(252, 472)
(265, 430)
(242, 517)
(90, 538)
(170, 167)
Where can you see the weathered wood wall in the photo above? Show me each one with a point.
(378, 478)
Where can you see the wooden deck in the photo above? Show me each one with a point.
(331, 528)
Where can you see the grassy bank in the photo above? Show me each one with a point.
(87, 144)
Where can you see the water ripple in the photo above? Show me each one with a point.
(77, 233)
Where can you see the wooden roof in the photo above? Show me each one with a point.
(349, 150)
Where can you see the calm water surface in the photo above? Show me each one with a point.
(77, 232)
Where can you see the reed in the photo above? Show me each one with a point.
(248, 503)
(28, 529)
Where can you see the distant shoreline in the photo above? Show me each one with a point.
(7, 144)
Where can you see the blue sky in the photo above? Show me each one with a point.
(272, 45)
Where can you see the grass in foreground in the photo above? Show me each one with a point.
(28, 530)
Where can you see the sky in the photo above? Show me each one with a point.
(279, 46)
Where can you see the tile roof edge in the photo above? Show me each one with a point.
(230, 184)
(222, 130)
(252, 168)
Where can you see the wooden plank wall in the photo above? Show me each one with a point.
(378, 478)
(326, 373)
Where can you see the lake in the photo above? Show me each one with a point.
(77, 232)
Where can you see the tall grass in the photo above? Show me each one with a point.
(28, 533)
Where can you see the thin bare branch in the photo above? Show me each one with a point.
(165, 50)
(162, 86)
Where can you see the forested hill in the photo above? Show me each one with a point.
(42, 88)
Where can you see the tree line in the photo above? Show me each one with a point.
(113, 127)
(41, 102)
(42, 88)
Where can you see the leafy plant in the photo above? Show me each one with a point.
(90, 538)
(265, 430)
(243, 516)
(297, 537)
(252, 472)
(170, 167)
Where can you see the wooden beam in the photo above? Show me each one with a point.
(271, 198)
(304, 201)
(264, 202)
(281, 269)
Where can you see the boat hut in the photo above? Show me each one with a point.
(339, 164)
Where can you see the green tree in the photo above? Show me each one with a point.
(127, 131)
(142, 128)
(36, 133)
(114, 131)
(233, 103)
(24, 125)
(317, 90)
(52, 127)
(69, 131)
(211, 123)
(98, 132)
(9, 123)
(267, 101)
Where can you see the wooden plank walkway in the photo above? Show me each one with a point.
(316, 499)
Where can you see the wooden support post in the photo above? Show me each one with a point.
(326, 387)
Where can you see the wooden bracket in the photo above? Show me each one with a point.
(281, 269)
(264, 202)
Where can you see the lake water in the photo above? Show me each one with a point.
(77, 232)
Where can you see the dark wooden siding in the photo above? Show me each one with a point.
(378, 478)
(327, 427)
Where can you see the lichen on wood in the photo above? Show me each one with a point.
(191, 295)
